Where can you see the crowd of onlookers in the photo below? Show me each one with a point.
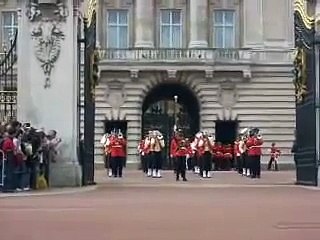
(26, 154)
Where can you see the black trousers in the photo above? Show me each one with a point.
(206, 162)
(156, 160)
(144, 163)
(117, 166)
(255, 162)
(275, 164)
(181, 167)
(240, 163)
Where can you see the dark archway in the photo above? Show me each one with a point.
(158, 107)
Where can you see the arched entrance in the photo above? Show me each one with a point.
(161, 111)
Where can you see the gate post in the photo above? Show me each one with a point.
(47, 79)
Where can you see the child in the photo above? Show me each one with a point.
(274, 157)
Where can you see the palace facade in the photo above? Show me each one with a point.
(214, 65)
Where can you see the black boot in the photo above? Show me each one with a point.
(184, 176)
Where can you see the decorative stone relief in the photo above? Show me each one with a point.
(134, 74)
(47, 34)
(209, 74)
(246, 73)
(172, 74)
(227, 94)
(115, 94)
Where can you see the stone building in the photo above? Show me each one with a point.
(228, 62)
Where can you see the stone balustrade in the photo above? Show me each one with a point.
(197, 55)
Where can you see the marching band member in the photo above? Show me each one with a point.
(147, 150)
(206, 150)
(227, 157)
(142, 154)
(274, 156)
(219, 155)
(173, 149)
(236, 153)
(105, 141)
(180, 147)
(254, 144)
(196, 157)
(117, 154)
(157, 144)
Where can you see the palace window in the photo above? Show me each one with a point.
(117, 29)
(224, 29)
(9, 26)
(171, 29)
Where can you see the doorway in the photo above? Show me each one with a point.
(226, 131)
(167, 105)
(116, 126)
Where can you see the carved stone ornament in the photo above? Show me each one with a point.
(209, 74)
(115, 94)
(172, 74)
(47, 34)
(134, 74)
(227, 94)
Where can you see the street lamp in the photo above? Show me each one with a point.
(175, 112)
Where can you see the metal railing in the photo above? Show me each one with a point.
(8, 82)
(197, 55)
(2, 167)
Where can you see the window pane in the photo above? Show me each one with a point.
(176, 37)
(123, 17)
(112, 37)
(218, 37)
(123, 37)
(112, 17)
(7, 35)
(176, 17)
(229, 37)
(165, 36)
(229, 15)
(218, 17)
(165, 16)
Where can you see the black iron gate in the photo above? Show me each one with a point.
(87, 84)
(305, 152)
(8, 82)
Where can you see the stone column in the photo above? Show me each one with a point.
(198, 24)
(253, 23)
(47, 95)
(144, 18)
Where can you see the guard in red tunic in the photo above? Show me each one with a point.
(254, 145)
(206, 150)
(236, 154)
(274, 156)
(227, 157)
(219, 154)
(142, 152)
(180, 147)
(173, 149)
(118, 154)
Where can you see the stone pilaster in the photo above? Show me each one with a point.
(47, 81)
(198, 24)
(253, 23)
(144, 17)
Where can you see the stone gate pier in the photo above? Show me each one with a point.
(48, 78)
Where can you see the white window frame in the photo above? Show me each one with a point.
(14, 18)
(171, 25)
(224, 25)
(118, 24)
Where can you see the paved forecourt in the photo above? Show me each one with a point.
(133, 208)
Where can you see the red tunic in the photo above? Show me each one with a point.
(254, 146)
(173, 147)
(227, 152)
(181, 148)
(219, 151)
(117, 147)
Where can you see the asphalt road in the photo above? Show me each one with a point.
(135, 208)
